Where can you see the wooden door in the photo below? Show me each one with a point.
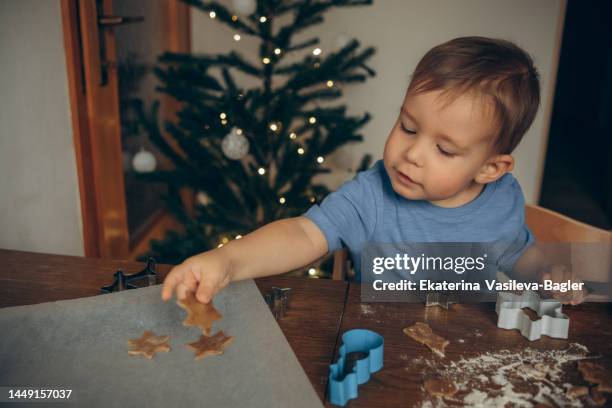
(91, 55)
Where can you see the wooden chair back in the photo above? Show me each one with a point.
(550, 226)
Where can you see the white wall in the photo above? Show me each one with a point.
(39, 198)
(402, 31)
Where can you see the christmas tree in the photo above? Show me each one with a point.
(249, 155)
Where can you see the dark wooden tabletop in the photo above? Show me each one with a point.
(471, 330)
(323, 309)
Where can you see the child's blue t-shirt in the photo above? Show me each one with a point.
(367, 210)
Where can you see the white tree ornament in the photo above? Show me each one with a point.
(144, 161)
(235, 145)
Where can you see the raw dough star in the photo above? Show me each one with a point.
(576, 391)
(422, 333)
(597, 374)
(199, 314)
(210, 345)
(148, 344)
(440, 387)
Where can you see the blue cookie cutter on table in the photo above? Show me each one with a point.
(342, 384)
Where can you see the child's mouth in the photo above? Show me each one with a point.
(404, 179)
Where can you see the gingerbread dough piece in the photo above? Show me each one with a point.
(596, 373)
(577, 391)
(422, 333)
(199, 314)
(148, 344)
(440, 387)
(598, 398)
(210, 345)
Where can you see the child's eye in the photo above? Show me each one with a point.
(444, 152)
(404, 129)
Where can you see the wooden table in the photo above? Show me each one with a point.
(320, 311)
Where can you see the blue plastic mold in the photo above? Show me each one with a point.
(344, 379)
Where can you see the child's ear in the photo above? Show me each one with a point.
(494, 168)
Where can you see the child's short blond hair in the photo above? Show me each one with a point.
(495, 69)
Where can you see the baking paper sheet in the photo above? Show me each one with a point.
(81, 344)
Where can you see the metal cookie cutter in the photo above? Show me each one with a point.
(442, 299)
(146, 277)
(552, 322)
(278, 301)
(361, 354)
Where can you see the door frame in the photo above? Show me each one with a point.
(103, 235)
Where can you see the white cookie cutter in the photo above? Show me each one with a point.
(552, 322)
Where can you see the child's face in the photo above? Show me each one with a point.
(448, 171)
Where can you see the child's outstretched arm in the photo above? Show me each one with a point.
(275, 248)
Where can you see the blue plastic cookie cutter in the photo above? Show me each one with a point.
(366, 349)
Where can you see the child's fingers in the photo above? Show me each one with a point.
(170, 283)
(206, 291)
(578, 297)
(182, 290)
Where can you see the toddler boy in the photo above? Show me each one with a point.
(444, 177)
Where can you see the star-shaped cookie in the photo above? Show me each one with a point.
(199, 314)
(210, 345)
(148, 344)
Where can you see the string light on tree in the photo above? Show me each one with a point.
(222, 115)
(312, 120)
(224, 240)
(236, 37)
(313, 199)
(234, 18)
(312, 271)
(300, 150)
(202, 198)
(277, 51)
(292, 136)
(320, 159)
(273, 127)
(282, 200)
(316, 51)
(330, 83)
(266, 60)
(263, 19)
(212, 14)
(238, 236)
(261, 171)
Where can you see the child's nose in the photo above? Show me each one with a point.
(414, 153)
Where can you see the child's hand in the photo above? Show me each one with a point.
(204, 274)
(561, 274)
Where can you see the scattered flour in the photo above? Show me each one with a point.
(507, 378)
(367, 309)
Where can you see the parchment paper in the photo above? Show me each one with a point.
(82, 344)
